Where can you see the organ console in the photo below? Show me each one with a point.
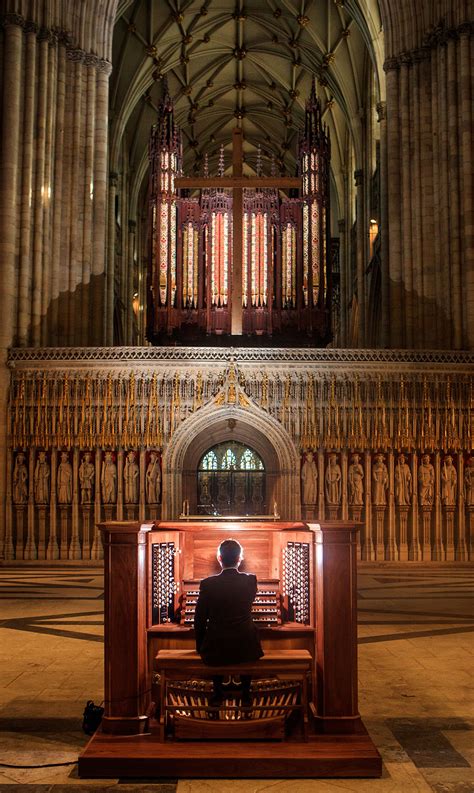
(304, 688)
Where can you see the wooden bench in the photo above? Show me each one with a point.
(185, 664)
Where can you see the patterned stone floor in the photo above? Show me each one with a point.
(416, 668)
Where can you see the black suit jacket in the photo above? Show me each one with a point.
(225, 631)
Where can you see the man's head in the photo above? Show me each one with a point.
(230, 553)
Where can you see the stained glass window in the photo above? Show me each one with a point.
(209, 461)
(231, 456)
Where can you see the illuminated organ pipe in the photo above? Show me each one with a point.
(165, 164)
(314, 169)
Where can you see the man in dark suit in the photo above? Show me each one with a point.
(225, 631)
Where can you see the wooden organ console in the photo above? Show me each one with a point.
(304, 713)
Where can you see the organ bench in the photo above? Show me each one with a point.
(305, 608)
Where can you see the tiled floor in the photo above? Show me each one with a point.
(416, 665)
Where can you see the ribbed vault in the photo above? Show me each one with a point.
(249, 64)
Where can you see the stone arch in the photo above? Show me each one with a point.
(213, 424)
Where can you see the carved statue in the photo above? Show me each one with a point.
(403, 483)
(449, 480)
(64, 483)
(257, 492)
(108, 479)
(380, 481)
(86, 478)
(356, 482)
(426, 479)
(309, 479)
(153, 479)
(469, 482)
(333, 481)
(130, 475)
(41, 479)
(20, 480)
(204, 485)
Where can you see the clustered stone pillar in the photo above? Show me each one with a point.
(53, 189)
(430, 209)
(52, 185)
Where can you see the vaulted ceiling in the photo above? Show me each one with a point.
(230, 62)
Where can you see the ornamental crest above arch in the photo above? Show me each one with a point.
(231, 393)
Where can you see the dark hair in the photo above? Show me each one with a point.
(230, 551)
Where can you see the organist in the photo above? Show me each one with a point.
(224, 629)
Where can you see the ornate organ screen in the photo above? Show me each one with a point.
(285, 248)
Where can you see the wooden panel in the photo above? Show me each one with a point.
(200, 558)
(322, 756)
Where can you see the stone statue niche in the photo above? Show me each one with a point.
(153, 478)
(131, 478)
(449, 482)
(20, 480)
(379, 481)
(86, 478)
(469, 482)
(356, 482)
(64, 480)
(403, 482)
(108, 479)
(41, 479)
(426, 482)
(309, 479)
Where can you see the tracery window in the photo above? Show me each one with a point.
(231, 481)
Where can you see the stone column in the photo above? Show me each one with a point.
(449, 532)
(111, 231)
(416, 186)
(100, 297)
(142, 490)
(414, 550)
(461, 549)
(97, 550)
(361, 243)
(120, 455)
(391, 551)
(406, 206)
(27, 183)
(9, 175)
(470, 532)
(341, 225)
(30, 551)
(465, 89)
(52, 549)
(20, 532)
(132, 228)
(345, 508)
(438, 549)
(384, 229)
(426, 550)
(321, 498)
(55, 336)
(75, 546)
(391, 67)
(8, 549)
(368, 551)
(454, 190)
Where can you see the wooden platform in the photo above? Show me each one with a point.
(111, 756)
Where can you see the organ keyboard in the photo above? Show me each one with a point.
(267, 608)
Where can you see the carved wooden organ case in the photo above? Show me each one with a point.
(286, 274)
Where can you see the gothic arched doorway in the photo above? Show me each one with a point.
(231, 481)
